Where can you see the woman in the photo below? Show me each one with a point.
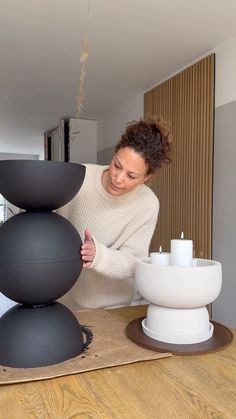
(117, 215)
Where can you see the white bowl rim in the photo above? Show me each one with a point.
(207, 263)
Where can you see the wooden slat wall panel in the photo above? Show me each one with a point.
(185, 187)
(160, 103)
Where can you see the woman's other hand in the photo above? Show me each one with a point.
(88, 249)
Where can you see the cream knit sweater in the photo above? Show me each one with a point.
(122, 228)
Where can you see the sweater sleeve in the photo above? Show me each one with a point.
(120, 263)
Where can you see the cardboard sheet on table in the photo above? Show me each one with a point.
(110, 347)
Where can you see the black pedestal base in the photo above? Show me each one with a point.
(222, 337)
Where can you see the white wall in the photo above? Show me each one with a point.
(113, 124)
(225, 83)
(224, 190)
(14, 138)
(18, 156)
(34, 146)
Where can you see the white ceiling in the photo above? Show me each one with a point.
(134, 44)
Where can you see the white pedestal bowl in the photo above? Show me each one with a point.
(178, 296)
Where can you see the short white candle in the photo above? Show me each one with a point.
(160, 258)
(181, 253)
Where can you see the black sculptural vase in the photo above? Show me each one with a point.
(39, 262)
(39, 184)
(39, 257)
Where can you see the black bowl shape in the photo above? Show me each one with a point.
(40, 184)
(39, 258)
(39, 336)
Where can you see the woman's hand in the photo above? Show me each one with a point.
(88, 249)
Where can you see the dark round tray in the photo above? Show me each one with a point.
(222, 337)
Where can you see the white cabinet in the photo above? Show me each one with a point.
(75, 140)
(82, 140)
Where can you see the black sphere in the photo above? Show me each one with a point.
(39, 258)
(40, 184)
(36, 337)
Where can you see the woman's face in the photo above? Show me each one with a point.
(127, 170)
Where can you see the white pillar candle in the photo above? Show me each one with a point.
(160, 258)
(181, 253)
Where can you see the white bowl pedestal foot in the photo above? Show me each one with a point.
(177, 325)
(178, 298)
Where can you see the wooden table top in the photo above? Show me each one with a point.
(181, 387)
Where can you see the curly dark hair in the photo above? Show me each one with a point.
(151, 138)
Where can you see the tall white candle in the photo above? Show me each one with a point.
(181, 253)
(160, 258)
